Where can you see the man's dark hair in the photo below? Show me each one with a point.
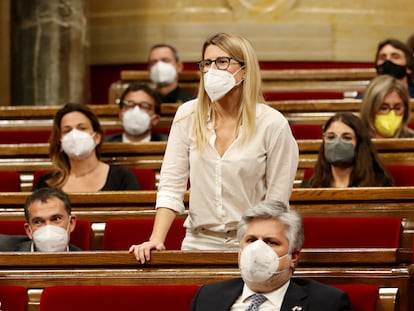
(399, 45)
(139, 86)
(44, 194)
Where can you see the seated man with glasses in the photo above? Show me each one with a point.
(347, 157)
(385, 109)
(139, 113)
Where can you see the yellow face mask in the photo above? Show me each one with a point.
(388, 124)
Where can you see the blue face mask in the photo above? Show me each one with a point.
(338, 151)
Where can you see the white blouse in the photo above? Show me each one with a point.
(222, 188)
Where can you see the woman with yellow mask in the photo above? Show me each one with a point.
(385, 108)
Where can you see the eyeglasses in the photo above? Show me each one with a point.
(222, 63)
(330, 137)
(385, 108)
(142, 105)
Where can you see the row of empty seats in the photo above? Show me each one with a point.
(152, 297)
(326, 232)
(10, 181)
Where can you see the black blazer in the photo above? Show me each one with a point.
(305, 293)
(117, 137)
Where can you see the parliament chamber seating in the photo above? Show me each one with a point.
(125, 298)
(120, 234)
(352, 232)
(13, 298)
(145, 177)
(9, 181)
(363, 297)
(403, 175)
(80, 237)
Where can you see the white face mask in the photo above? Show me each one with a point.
(135, 121)
(259, 262)
(51, 238)
(163, 73)
(78, 144)
(218, 83)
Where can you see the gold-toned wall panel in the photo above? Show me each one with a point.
(122, 31)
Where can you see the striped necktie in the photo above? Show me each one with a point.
(257, 300)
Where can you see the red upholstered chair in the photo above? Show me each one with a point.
(363, 297)
(125, 298)
(308, 173)
(13, 298)
(120, 234)
(146, 178)
(403, 175)
(352, 232)
(306, 131)
(81, 236)
(9, 181)
(295, 95)
(37, 174)
(31, 136)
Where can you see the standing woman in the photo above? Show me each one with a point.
(233, 149)
(74, 149)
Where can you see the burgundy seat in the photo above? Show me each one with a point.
(9, 181)
(306, 131)
(363, 297)
(31, 136)
(403, 175)
(13, 298)
(120, 234)
(125, 298)
(81, 236)
(352, 232)
(145, 177)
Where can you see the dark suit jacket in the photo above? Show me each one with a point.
(306, 293)
(117, 137)
(21, 243)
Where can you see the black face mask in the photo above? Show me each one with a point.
(389, 68)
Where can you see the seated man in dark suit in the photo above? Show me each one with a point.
(271, 237)
(49, 224)
(139, 113)
(164, 67)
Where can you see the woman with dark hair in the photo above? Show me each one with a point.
(347, 157)
(74, 149)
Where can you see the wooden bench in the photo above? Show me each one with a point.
(39, 118)
(28, 158)
(342, 80)
(352, 202)
(39, 270)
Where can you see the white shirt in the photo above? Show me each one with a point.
(272, 303)
(222, 188)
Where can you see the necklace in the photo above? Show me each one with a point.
(87, 172)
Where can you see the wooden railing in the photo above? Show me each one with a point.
(297, 80)
(319, 202)
(28, 158)
(39, 270)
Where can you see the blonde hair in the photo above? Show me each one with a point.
(241, 50)
(374, 96)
